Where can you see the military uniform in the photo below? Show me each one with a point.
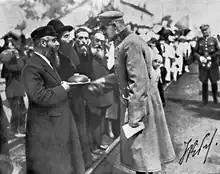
(208, 47)
(139, 101)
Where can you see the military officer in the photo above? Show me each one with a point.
(207, 52)
(139, 99)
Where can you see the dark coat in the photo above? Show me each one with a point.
(4, 149)
(52, 141)
(211, 48)
(12, 74)
(145, 151)
(76, 100)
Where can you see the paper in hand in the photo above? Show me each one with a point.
(130, 131)
(111, 58)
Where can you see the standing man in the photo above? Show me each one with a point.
(66, 69)
(11, 71)
(139, 99)
(52, 141)
(207, 52)
(81, 46)
(102, 109)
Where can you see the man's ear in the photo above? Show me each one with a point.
(43, 43)
(114, 25)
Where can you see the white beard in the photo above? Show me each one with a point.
(98, 53)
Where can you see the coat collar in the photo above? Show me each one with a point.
(47, 68)
(124, 33)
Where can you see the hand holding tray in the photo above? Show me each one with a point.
(78, 79)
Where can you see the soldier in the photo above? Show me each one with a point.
(139, 99)
(207, 52)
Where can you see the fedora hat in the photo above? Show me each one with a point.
(59, 27)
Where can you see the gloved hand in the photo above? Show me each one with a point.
(93, 89)
(202, 59)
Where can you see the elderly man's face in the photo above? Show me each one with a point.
(82, 42)
(97, 45)
(52, 43)
(109, 31)
(98, 40)
(66, 39)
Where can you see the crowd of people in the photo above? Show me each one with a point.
(82, 90)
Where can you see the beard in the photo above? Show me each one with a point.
(54, 57)
(98, 53)
(82, 50)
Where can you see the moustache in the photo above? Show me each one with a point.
(98, 46)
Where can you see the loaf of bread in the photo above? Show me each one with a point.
(78, 78)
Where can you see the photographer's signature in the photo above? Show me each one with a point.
(193, 149)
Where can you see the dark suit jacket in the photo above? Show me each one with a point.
(52, 142)
(76, 100)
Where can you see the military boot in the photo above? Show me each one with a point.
(205, 93)
(215, 92)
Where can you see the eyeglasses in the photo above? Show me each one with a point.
(96, 40)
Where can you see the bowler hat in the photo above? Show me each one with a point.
(43, 31)
(59, 27)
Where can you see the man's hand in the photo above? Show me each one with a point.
(65, 85)
(93, 89)
(202, 59)
(133, 125)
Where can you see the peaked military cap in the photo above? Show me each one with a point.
(204, 27)
(43, 31)
(110, 16)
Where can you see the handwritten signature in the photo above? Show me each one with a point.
(195, 149)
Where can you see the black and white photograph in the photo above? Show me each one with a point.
(109, 87)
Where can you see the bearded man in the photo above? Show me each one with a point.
(100, 108)
(66, 68)
(139, 99)
(52, 141)
(81, 46)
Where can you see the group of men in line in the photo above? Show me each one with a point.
(61, 131)
(54, 125)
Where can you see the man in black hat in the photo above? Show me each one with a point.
(207, 52)
(66, 69)
(140, 101)
(65, 40)
(52, 141)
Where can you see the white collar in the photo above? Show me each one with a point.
(44, 58)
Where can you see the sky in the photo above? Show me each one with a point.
(199, 11)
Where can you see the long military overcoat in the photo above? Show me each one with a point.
(148, 149)
(52, 141)
(209, 47)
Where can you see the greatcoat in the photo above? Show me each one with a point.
(52, 141)
(148, 149)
